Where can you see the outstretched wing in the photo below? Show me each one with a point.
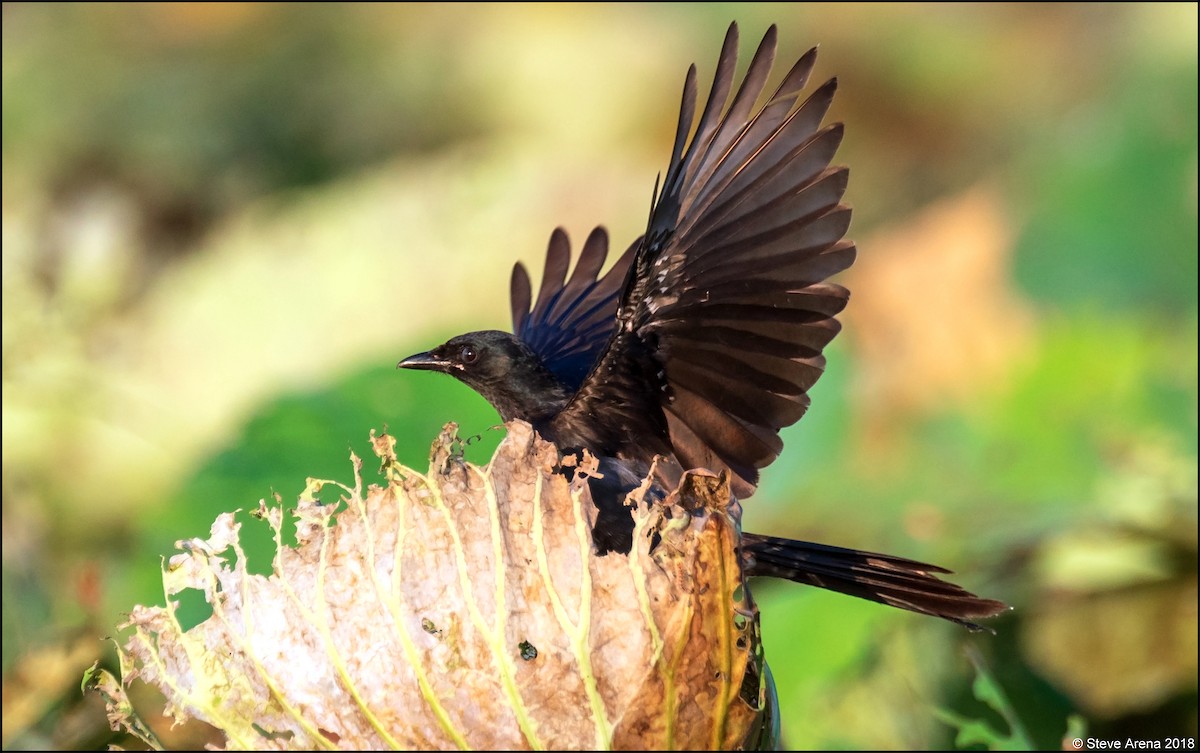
(572, 320)
(722, 323)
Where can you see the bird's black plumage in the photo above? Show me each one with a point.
(703, 339)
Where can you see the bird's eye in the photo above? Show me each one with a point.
(468, 355)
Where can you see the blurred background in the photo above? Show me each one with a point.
(224, 224)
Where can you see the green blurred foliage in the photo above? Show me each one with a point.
(224, 224)
(979, 732)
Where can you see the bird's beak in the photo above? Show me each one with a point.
(429, 361)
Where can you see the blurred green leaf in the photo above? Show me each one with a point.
(978, 732)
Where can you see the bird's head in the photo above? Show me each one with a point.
(501, 368)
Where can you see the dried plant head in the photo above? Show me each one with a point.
(465, 607)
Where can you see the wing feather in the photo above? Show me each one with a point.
(520, 294)
(572, 320)
(726, 308)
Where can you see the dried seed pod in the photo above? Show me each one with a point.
(465, 607)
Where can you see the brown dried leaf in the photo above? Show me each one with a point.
(1145, 653)
(465, 607)
(934, 314)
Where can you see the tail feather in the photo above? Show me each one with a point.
(881, 578)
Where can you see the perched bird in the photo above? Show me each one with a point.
(703, 339)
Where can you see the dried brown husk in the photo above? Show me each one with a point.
(465, 608)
